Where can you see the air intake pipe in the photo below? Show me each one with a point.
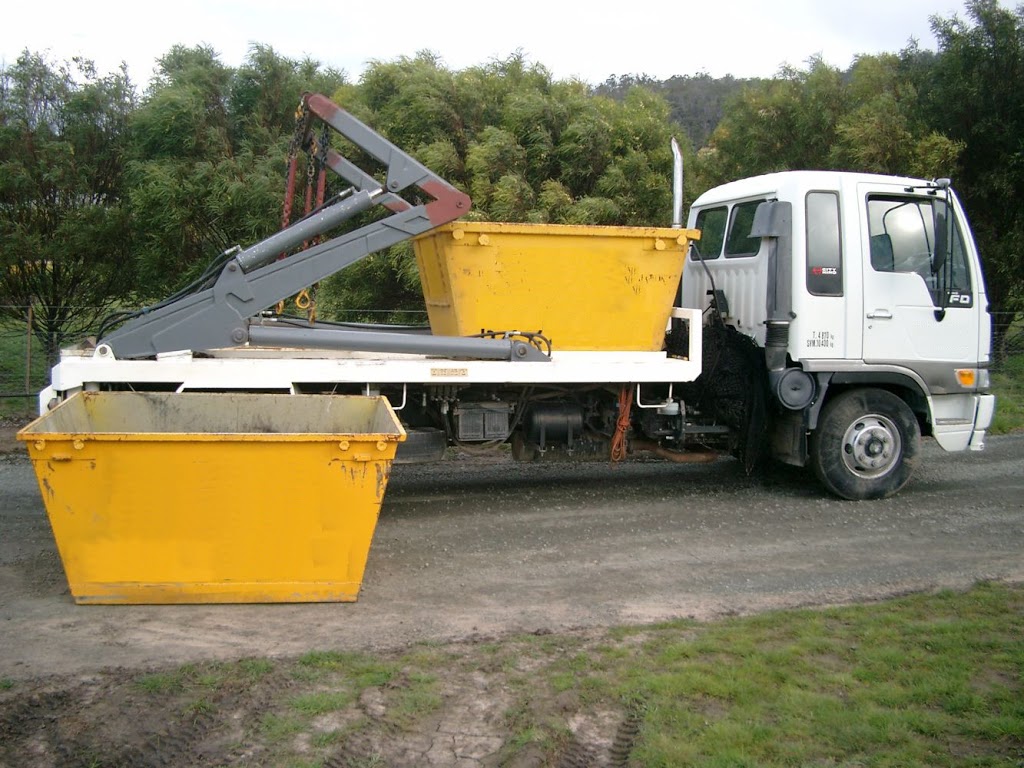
(793, 387)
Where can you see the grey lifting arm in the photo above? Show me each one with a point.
(218, 315)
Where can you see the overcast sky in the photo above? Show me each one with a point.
(589, 40)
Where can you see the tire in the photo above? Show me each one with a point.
(866, 444)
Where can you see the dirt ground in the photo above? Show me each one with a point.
(8, 443)
(475, 561)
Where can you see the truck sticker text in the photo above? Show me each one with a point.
(821, 340)
(449, 372)
(960, 299)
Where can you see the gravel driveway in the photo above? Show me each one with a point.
(486, 547)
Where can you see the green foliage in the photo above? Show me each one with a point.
(697, 101)
(781, 124)
(974, 97)
(867, 119)
(413, 101)
(494, 156)
(209, 157)
(525, 147)
(64, 224)
(384, 287)
(883, 131)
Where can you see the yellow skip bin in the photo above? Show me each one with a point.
(585, 288)
(213, 498)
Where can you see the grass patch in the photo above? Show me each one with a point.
(927, 680)
(327, 739)
(254, 669)
(207, 677)
(888, 684)
(199, 708)
(1008, 386)
(323, 702)
(162, 682)
(416, 698)
(359, 669)
(276, 728)
(6, 684)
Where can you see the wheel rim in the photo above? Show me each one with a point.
(872, 446)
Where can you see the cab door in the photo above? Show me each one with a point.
(901, 292)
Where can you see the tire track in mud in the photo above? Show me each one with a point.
(259, 699)
(172, 746)
(626, 737)
(28, 727)
(55, 729)
(588, 750)
(81, 727)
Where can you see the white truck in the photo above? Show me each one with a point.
(823, 318)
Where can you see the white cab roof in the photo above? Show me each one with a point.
(789, 184)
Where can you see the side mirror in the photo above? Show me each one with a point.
(942, 257)
(942, 243)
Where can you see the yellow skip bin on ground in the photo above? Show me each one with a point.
(213, 498)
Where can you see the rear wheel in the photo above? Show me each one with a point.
(865, 445)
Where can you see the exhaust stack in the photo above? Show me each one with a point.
(677, 186)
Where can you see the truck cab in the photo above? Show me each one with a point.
(866, 294)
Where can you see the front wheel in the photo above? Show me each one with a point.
(865, 445)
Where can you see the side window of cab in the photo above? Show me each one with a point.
(824, 244)
(711, 223)
(740, 243)
(726, 232)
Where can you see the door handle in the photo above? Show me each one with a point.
(880, 314)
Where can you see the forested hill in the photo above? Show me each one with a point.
(697, 101)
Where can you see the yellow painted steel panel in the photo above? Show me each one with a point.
(585, 288)
(203, 498)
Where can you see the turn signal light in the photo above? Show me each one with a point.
(966, 376)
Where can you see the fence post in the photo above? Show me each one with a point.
(28, 352)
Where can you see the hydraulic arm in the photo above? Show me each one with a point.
(221, 309)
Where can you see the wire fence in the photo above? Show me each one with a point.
(25, 369)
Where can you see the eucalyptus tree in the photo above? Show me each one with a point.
(209, 156)
(869, 118)
(974, 96)
(64, 223)
(525, 146)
